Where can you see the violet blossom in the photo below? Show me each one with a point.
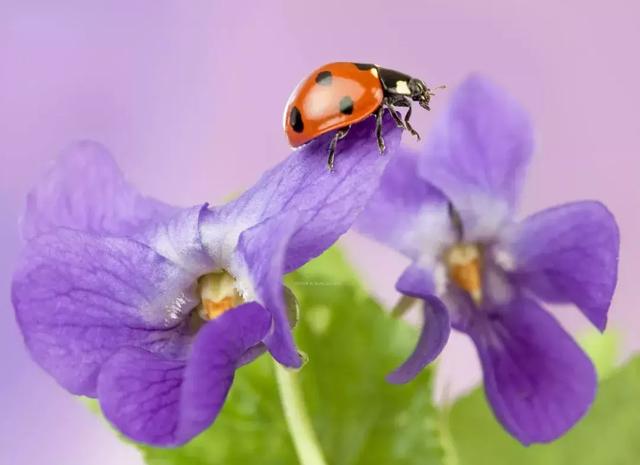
(450, 209)
(151, 308)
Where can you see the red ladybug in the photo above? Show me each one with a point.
(337, 95)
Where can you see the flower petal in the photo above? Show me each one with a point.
(261, 259)
(406, 212)
(433, 337)
(537, 379)
(303, 183)
(166, 401)
(86, 191)
(478, 153)
(417, 281)
(178, 238)
(78, 298)
(570, 254)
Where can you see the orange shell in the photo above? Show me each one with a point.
(333, 96)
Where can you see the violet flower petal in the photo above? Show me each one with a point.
(433, 337)
(166, 401)
(406, 212)
(79, 298)
(178, 238)
(416, 281)
(569, 254)
(537, 379)
(85, 190)
(262, 254)
(436, 327)
(302, 183)
(477, 154)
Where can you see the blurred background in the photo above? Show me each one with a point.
(189, 96)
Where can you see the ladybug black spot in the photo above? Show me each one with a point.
(295, 120)
(324, 78)
(346, 105)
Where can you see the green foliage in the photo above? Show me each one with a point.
(608, 435)
(359, 418)
(603, 349)
(352, 344)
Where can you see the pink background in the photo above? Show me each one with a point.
(189, 95)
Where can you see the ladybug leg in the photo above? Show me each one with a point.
(405, 102)
(340, 134)
(379, 114)
(407, 115)
(394, 113)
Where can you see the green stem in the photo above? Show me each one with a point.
(446, 439)
(295, 413)
(403, 305)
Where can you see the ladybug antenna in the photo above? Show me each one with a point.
(431, 93)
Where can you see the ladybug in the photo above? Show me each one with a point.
(337, 95)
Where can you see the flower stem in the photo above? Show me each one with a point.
(446, 439)
(403, 305)
(295, 413)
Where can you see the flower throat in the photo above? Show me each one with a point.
(464, 260)
(218, 294)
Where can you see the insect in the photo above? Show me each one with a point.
(337, 95)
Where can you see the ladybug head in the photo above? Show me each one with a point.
(420, 93)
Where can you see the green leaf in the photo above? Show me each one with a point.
(603, 350)
(352, 344)
(359, 418)
(609, 434)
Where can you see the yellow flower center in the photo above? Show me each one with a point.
(218, 293)
(464, 267)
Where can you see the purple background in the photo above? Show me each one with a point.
(189, 96)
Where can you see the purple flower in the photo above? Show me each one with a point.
(151, 308)
(450, 210)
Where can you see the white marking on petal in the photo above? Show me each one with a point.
(430, 234)
(497, 286)
(244, 282)
(485, 217)
(181, 306)
(221, 239)
(504, 259)
(178, 240)
(440, 278)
